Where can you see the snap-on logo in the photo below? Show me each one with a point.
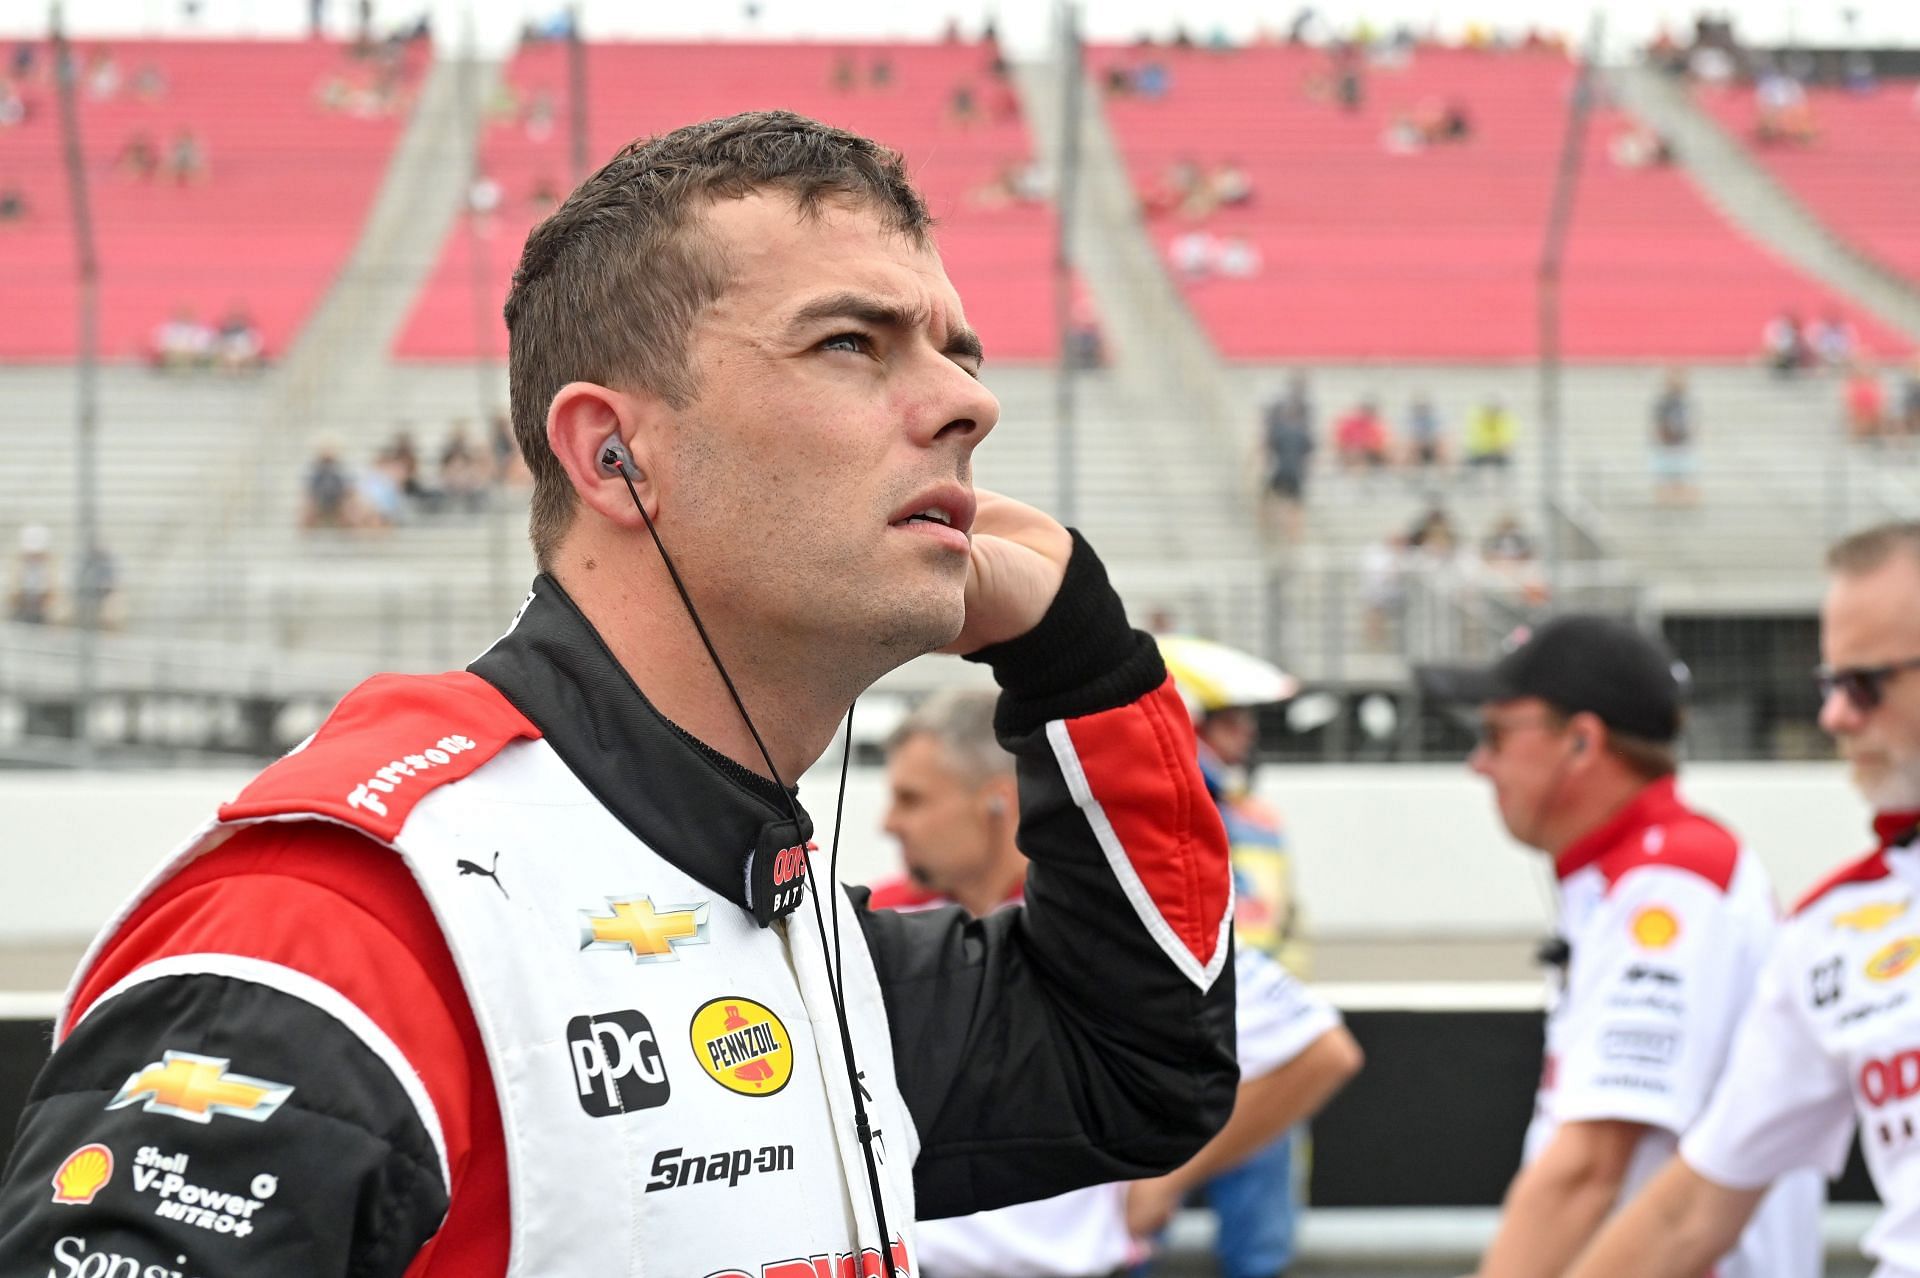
(388, 779)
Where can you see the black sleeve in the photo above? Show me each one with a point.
(223, 1129)
(1057, 1044)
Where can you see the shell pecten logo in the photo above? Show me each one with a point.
(742, 1045)
(1655, 928)
(82, 1175)
(1894, 959)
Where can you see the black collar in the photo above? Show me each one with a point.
(719, 822)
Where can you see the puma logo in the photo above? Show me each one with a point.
(467, 867)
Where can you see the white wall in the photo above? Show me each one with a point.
(1382, 851)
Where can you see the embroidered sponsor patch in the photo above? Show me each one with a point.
(742, 1045)
(616, 1064)
(1871, 918)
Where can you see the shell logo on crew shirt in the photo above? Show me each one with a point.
(193, 1087)
(1655, 928)
(1871, 918)
(1894, 959)
(83, 1174)
(742, 1045)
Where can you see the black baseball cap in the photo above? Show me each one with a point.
(1577, 663)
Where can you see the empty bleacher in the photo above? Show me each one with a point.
(1859, 173)
(287, 184)
(1432, 253)
(998, 255)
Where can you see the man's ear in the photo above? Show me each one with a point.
(581, 421)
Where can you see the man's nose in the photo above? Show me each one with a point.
(1838, 715)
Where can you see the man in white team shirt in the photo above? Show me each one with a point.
(1833, 1036)
(1665, 921)
(953, 811)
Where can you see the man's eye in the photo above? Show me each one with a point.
(855, 342)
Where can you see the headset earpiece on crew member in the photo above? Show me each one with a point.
(614, 458)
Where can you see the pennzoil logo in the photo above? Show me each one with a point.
(1871, 918)
(82, 1175)
(650, 934)
(1893, 959)
(742, 1045)
(1655, 928)
(185, 1085)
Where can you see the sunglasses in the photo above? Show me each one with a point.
(1865, 686)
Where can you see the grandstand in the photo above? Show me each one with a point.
(1375, 244)
(1857, 171)
(998, 244)
(293, 139)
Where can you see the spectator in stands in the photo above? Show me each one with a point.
(1426, 449)
(1383, 590)
(1017, 183)
(1360, 438)
(464, 473)
(1785, 114)
(1232, 185)
(13, 105)
(406, 458)
(1152, 80)
(1636, 146)
(102, 74)
(1236, 257)
(1910, 398)
(13, 203)
(1858, 74)
(1490, 434)
(1866, 402)
(378, 498)
(1178, 187)
(1287, 440)
(187, 158)
(139, 156)
(182, 342)
(329, 490)
(1507, 542)
(1785, 341)
(98, 589)
(1349, 82)
(31, 600)
(1832, 340)
(1674, 464)
(149, 83)
(508, 466)
(880, 72)
(845, 76)
(962, 108)
(237, 346)
(540, 116)
(1192, 254)
(1434, 538)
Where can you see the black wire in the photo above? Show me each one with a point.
(862, 1128)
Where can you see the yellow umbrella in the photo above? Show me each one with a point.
(1212, 676)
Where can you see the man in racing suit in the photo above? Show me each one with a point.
(521, 970)
(1828, 1044)
(1666, 919)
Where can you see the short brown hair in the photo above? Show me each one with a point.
(1866, 550)
(608, 287)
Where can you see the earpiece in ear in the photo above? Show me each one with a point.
(997, 807)
(615, 459)
(1579, 745)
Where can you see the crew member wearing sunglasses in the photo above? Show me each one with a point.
(1665, 921)
(1830, 1040)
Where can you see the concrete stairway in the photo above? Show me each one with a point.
(1751, 199)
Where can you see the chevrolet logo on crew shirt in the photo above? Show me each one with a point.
(650, 935)
(196, 1088)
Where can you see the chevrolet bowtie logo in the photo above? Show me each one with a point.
(650, 935)
(198, 1087)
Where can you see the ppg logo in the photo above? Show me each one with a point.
(616, 1063)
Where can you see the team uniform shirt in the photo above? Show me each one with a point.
(1669, 922)
(503, 973)
(1831, 1042)
(1084, 1232)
